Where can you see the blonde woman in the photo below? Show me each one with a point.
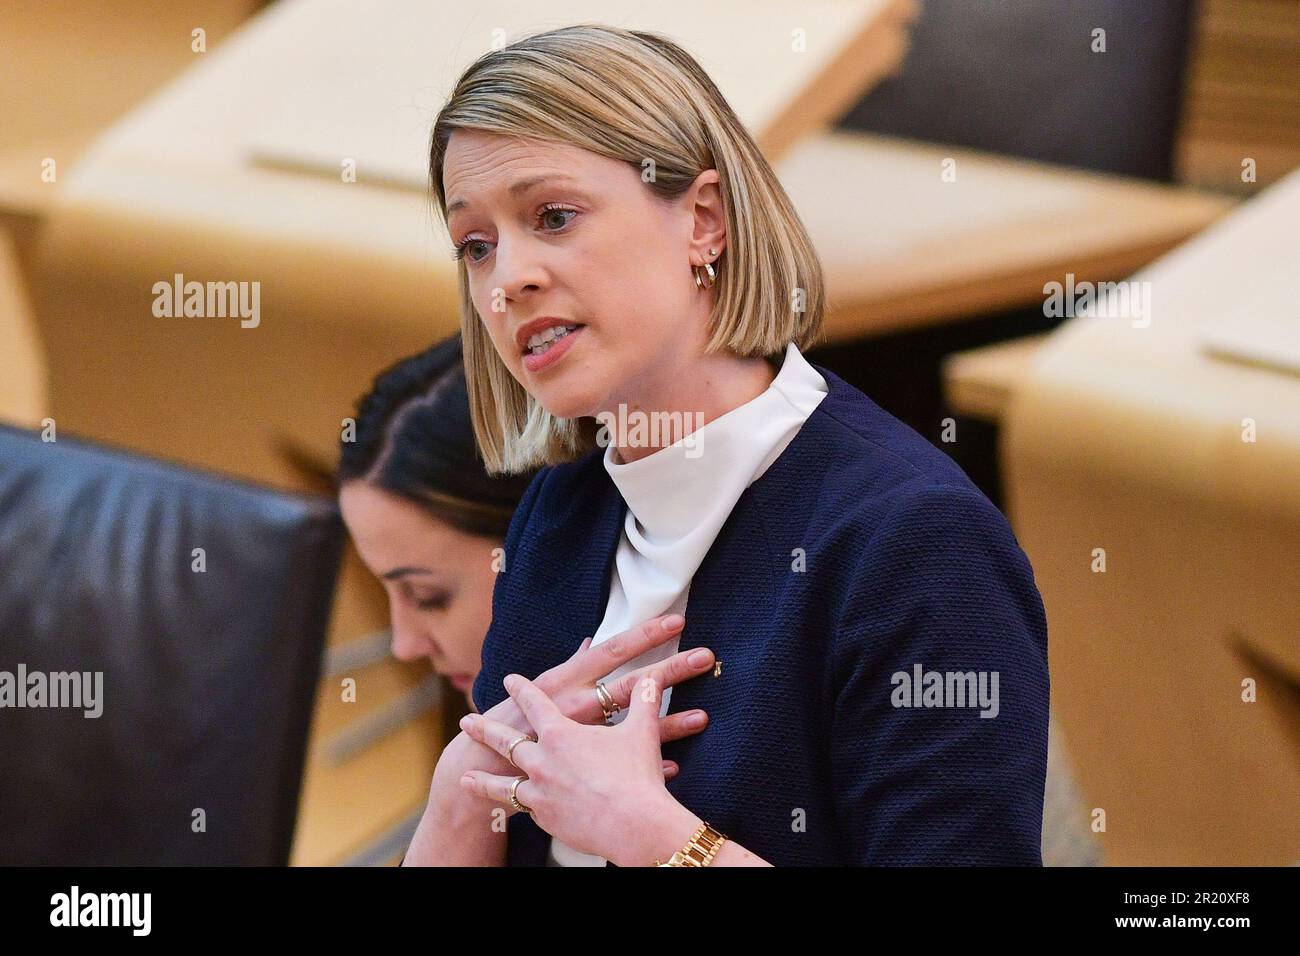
(880, 691)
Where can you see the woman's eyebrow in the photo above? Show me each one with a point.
(517, 187)
(396, 573)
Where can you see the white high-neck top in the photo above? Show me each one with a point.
(678, 498)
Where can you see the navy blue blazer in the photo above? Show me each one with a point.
(849, 584)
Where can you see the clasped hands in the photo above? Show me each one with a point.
(597, 788)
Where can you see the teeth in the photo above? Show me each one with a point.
(542, 341)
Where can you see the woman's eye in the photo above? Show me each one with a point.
(436, 603)
(557, 211)
(461, 250)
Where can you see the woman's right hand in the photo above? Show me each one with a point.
(572, 686)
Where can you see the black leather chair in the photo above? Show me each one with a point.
(203, 602)
(1020, 77)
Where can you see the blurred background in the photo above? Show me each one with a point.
(971, 174)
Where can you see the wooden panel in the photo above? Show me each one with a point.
(23, 398)
(1242, 94)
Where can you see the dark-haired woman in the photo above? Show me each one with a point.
(424, 515)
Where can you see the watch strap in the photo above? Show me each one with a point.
(699, 850)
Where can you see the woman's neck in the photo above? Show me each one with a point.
(718, 384)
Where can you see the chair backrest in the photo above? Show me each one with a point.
(161, 634)
(1029, 79)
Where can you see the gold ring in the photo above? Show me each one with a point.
(514, 797)
(510, 751)
(606, 701)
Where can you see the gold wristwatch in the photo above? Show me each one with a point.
(700, 849)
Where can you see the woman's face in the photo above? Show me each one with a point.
(439, 579)
(559, 234)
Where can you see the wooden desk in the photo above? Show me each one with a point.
(83, 66)
(902, 248)
(982, 383)
(1136, 440)
(787, 69)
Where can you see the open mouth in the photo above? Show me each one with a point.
(548, 347)
(544, 341)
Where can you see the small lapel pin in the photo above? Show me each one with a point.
(717, 668)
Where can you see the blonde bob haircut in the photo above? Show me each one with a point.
(639, 98)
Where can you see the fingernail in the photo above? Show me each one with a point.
(509, 681)
(699, 658)
(672, 622)
(467, 722)
(696, 720)
(466, 780)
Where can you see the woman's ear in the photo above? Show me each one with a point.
(710, 215)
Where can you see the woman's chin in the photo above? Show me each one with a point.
(462, 682)
(563, 403)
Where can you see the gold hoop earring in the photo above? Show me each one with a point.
(708, 268)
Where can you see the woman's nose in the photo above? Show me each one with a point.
(410, 641)
(408, 648)
(518, 270)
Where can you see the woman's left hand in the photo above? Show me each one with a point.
(600, 789)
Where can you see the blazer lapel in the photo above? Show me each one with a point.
(574, 558)
(565, 553)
